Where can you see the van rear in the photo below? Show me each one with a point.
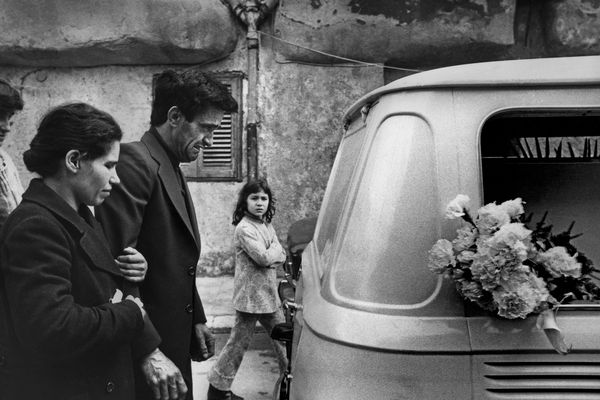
(375, 322)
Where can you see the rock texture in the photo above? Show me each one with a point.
(89, 32)
(415, 32)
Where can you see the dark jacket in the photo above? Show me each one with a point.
(148, 211)
(60, 338)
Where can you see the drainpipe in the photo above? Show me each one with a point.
(252, 13)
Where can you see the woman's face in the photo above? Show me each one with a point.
(5, 124)
(97, 177)
(257, 203)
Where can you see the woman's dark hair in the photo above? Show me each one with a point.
(191, 91)
(10, 99)
(75, 126)
(253, 186)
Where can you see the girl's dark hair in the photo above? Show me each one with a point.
(253, 186)
(75, 126)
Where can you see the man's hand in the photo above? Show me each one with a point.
(132, 264)
(163, 377)
(205, 342)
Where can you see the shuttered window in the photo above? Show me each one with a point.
(222, 161)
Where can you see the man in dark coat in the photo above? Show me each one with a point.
(152, 211)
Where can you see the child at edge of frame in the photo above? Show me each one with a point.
(257, 255)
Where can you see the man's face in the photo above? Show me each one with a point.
(192, 137)
(5, 124)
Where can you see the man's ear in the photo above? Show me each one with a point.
(72, 161)
(174, 116)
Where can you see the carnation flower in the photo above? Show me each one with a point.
(521, 296)
(470, 290)
(511, 234)
(490, 218)
(513, 208)
(465, 257)
(441, 256)
(493, 269)
(457, 207)
(510, 243)
(558, 262)
(465, 238)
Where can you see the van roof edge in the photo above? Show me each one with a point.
(558, 71)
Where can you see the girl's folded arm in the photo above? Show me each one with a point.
(254, 246)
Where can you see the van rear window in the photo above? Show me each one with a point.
(389, 222)
(337, 187)
(551, 159)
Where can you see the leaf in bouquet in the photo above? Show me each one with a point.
(564, 239)
(540, 224)
(566, 288)
(526, 218)
(587, 265)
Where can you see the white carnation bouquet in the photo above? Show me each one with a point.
(501, 265)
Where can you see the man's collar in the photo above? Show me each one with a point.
(164, 145)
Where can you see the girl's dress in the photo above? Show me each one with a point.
(257, 253)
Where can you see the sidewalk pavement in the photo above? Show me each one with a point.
(259, 371)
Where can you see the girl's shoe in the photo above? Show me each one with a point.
(216, 394)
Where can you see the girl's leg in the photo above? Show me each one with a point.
(223, 372)
(268, 321)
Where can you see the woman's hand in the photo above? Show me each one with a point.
(138, 302)
(132, 264)
(118, 297)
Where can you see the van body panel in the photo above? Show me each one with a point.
(334, 371)
(580, 328)
(378, 331)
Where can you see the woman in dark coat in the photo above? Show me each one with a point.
(65, 330)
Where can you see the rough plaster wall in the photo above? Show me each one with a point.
(418, 33)
(573, 27)
(89, 32)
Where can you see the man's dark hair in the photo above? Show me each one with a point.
(75, 126)
(10, 99)
(191, 91)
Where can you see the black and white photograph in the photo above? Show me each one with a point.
(300, 200)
